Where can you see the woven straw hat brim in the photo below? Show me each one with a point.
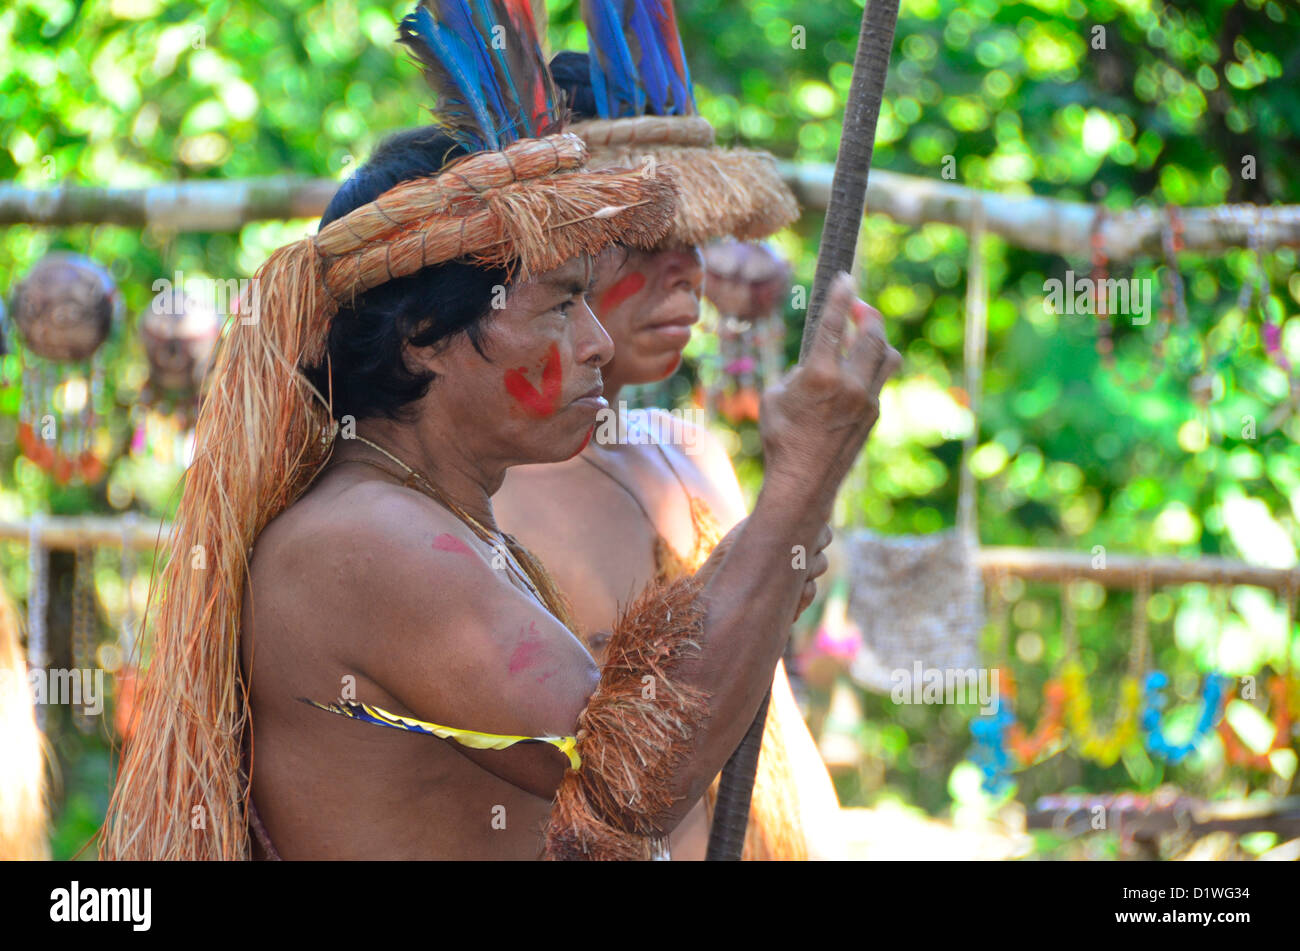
(736, 193)
(529, 208)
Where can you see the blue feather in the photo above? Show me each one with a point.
(650, 62)
(455, 57)
(461, 21)
(487, 12)
(613, 73)
(679, 71)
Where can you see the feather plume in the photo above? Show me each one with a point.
(637, 62)
(483, 62)
(614, 79)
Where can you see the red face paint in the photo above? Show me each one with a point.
(623, 288)
(540, 403)
(674, 364)
(449, 542)
(529, 650)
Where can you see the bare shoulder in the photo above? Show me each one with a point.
(686, 437)
(372, 580)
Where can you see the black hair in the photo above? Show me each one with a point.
(429, 307)
(572, 73)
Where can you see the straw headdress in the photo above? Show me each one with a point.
(523, 201)
(646, 112)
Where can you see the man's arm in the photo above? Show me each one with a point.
(422, 614)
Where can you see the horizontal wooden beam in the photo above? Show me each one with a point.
(1027, 221)
(1031, 564)
(1054, 226)
(67, 533)
(1125, 571)
(180, 206)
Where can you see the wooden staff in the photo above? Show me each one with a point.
(839, 246)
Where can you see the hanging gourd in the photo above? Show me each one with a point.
(746, 283)
(178, 342)
(64, 310)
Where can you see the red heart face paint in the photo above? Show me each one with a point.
(623, 288)
(539, 403)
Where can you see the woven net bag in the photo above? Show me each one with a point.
(916, 598)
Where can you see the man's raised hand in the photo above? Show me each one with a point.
(816, 419)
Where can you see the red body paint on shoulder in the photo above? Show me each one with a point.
(528, 651)
(448, 542)
(540, 403)
(623, 288)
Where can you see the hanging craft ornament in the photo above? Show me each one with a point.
(85, 632)
(918, 601)
(1153, 702)
(1270, 330)
(179, 333)
(64, 309)
(38, 598)
(746, 283)
(127, 671)
(1283, 707)
(1001, 743)
(1104, 748)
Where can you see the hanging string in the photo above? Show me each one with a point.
(127, 637)
(973, 355)
(1068, 622)
(83, 624)
(1001, 618)
(38, 596)
(1141, 599)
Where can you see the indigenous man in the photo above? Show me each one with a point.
(439, 320)
(649, 500)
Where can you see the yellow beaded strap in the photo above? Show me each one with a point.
(1105, 748)
(474, 739)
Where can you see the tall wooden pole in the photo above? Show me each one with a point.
(838, 248)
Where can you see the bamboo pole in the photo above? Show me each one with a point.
(1034, 223)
